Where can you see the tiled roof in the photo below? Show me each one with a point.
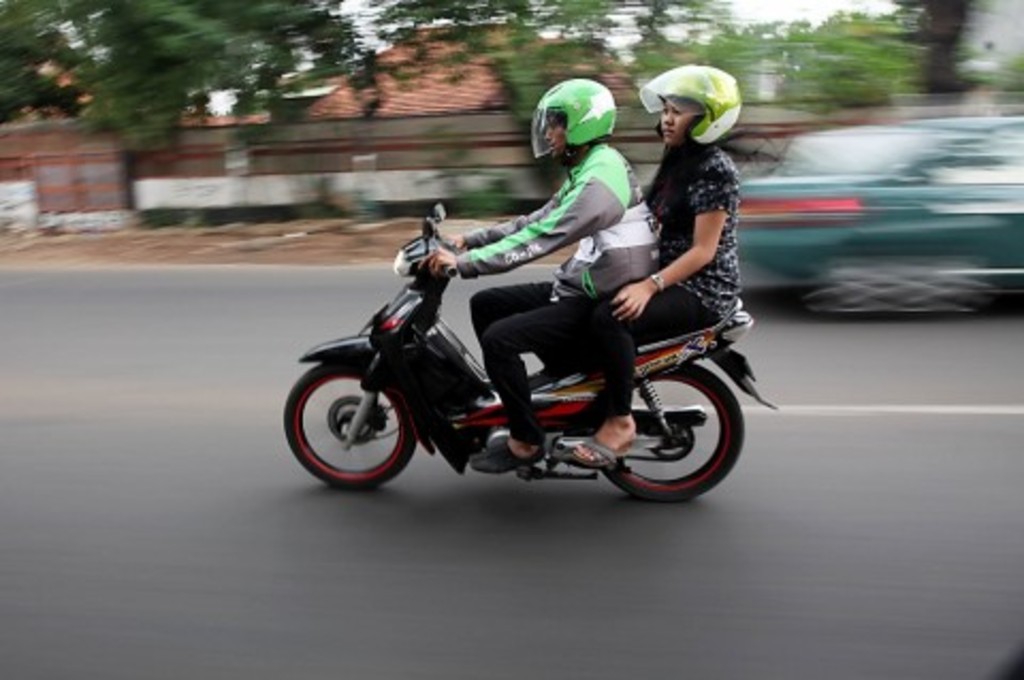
(343, 102)
(415, 82)
(428, 77)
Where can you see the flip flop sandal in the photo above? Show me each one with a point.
(598, 456)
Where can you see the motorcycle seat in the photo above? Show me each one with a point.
(732, 326)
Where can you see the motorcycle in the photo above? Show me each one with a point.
(355, 418)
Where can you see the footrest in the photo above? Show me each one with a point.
(533, 472)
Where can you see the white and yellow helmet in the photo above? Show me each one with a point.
(712, 90)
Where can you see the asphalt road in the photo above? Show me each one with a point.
(154, 525)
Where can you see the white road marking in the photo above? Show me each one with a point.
(890, 409)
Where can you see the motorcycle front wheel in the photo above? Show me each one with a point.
(700, 451)
(317, 421)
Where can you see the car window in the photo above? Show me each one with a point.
(987, 159)
(873, 151)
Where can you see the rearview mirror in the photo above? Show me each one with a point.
(430, 222)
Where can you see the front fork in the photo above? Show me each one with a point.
(366, 407)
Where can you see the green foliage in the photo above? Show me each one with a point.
(161, 218)
(403, 19)
(509, 33)
(494, 198)
(529, 68)
(850, 60)
(585, 21)
(319, 211)
(148, 63)
(143, 65)
(34, 58)
(1012, 77)
(533, 44)
(204, 218)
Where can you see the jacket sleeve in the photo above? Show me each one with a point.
(485, 235)
(574, 213)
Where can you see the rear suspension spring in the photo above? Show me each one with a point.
(653, 401)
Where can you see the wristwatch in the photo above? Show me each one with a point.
(658, 281)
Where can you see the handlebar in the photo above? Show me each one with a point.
(411, 257)
(450, 271)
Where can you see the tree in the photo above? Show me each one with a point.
(692, 18)
(34, 62)
(938, 26)
(138, 67)
(148, 63)
(532, 43)
(851, 60)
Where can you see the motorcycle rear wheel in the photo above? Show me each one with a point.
(317, 415)
(699, 457)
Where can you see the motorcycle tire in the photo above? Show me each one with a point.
(706, 457)
(320, 407)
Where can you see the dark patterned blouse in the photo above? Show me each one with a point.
(676, 198)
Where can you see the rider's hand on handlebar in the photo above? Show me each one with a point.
(458, 241)
(441, 262)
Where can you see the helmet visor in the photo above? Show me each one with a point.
(683, 104)
(653, 94)
(684, 86)
(543, 120)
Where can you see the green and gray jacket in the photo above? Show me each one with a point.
(601, 207)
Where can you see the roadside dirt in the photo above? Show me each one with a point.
(313, 242)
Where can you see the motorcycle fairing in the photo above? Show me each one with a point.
(354, 351)
(694, 344)
(565, 399)
(550, 413)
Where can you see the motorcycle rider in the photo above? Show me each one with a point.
(600, 205)
(695, 197)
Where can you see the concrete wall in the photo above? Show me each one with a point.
(347, 163)
(343, 188)
(388, 161)
(18, 209)
(93, 220)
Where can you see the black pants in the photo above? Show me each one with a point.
(674, 311)
(514, 320)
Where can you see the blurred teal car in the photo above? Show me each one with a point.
(918, 216)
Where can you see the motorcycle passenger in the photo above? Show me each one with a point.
(599, 205)
(695, 197)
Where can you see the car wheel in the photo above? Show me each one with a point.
(899, 288)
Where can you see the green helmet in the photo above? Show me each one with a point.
(586, 108)
(713, 91)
